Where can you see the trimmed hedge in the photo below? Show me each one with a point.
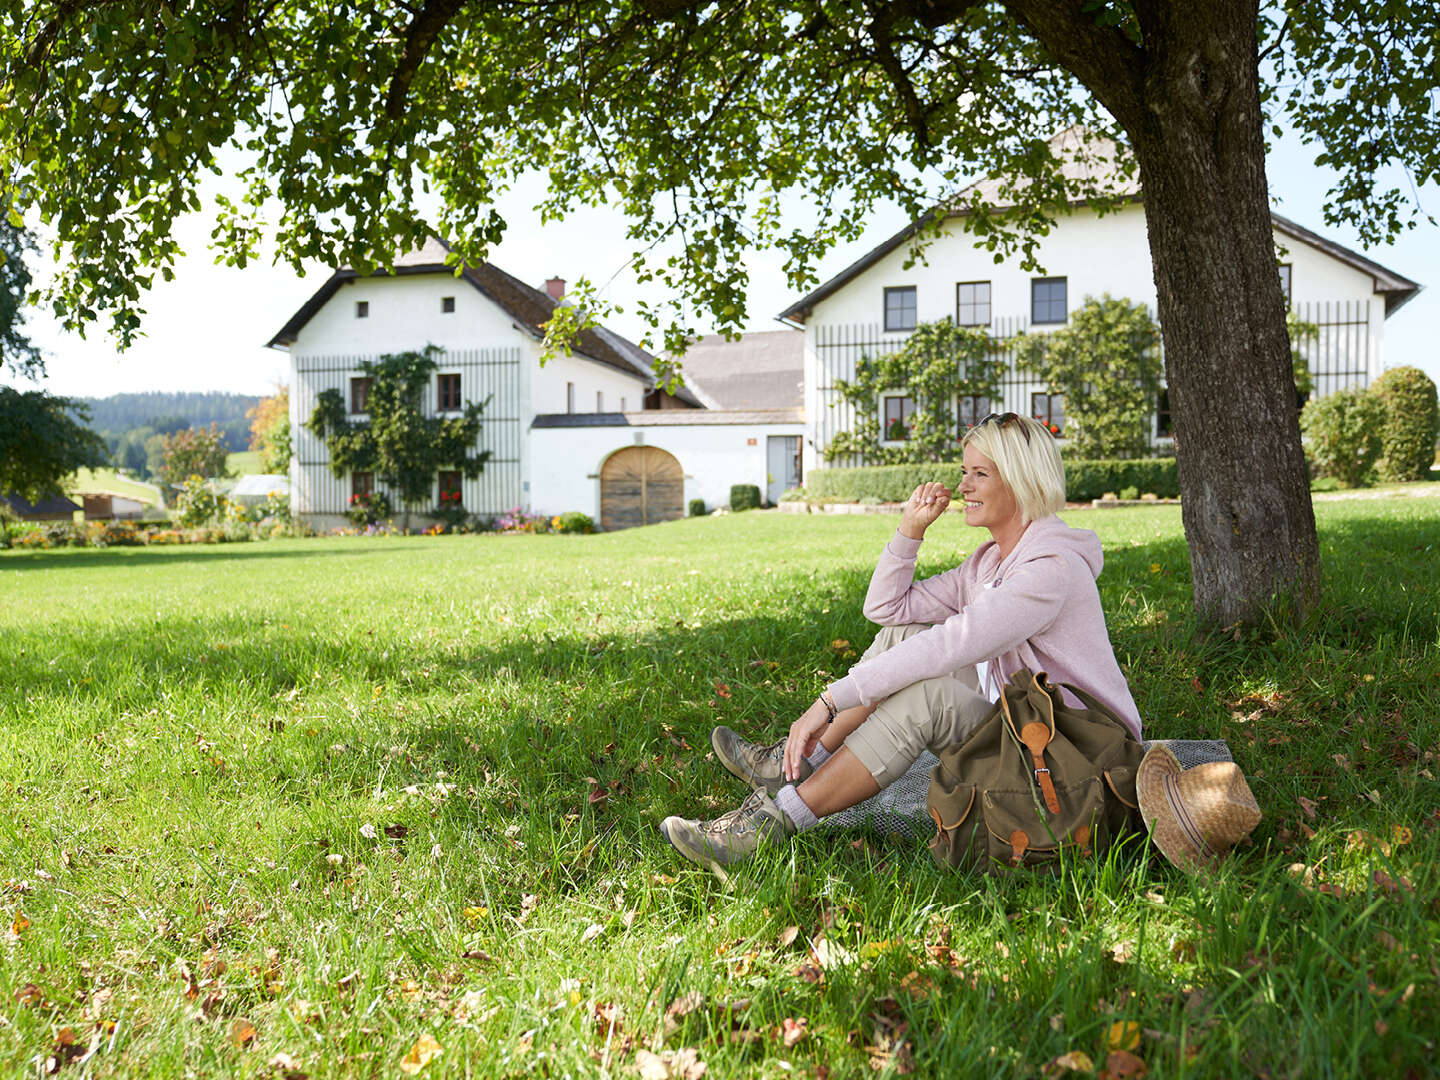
(1412, 423)
(744, 497)
(1083, 479)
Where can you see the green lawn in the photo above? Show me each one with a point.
(321, 798)
(110, 480)
(243, 462)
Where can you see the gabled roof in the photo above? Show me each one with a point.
(758, 371)
(1091, 166)
(1397, 289)
(50, 506)
(530, 308)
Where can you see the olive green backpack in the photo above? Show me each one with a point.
(1036, 778)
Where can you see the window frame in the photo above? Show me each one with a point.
(914, 306)
(1287, 283)
(886, 397)
(441, 378)
(441, 487)
(570, 398)
(1035, 319)
(960, 426)
(447, 305)
(1164, 421)
(1049, 413)
(363, 384)
(362, 309)
(959, 304)
(359, 487)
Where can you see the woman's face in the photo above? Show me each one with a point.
(989, 503)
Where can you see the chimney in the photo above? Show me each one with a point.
(555, 288)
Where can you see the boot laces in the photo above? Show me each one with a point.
(740, 816)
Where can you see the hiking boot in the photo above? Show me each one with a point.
(762, 767)
(731, 837)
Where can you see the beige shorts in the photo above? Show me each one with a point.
(927, 715)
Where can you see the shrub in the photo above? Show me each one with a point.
(795, 494)
(198, 503)
(367, 510)
(1342, 435)
(1130, 493)
(573, 522)
(697, 508)
(1324, 483)
(1084, 480)
(1411, 424)
(744, 497)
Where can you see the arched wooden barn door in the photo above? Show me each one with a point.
(640, 485)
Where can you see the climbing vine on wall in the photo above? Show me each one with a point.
(402, 446)
(939, 364)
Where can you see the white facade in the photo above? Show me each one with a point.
(495, 353)
(715, 452)
(1343, 292)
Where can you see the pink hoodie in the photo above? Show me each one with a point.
(1038, 608)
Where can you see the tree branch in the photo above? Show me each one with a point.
(1102, 58)
(423, 30)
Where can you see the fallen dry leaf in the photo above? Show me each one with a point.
(242, 1032)
(284, 1066)
(592, 931)
(1390, 886)
(788, 936)
(683, 1064)
(792, 1030)
(425, 1050)
(1122, 951)
(1122, 1065)
(29, 994)
(20, 923)
(829, 955)
(1309, 806)
(1074, 1061)
(1122, 1035)
(477, 954)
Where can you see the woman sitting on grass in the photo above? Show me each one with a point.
(1025, 598)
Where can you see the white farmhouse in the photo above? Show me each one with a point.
(588, 432)
(871, 305)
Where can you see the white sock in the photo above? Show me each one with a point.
(818, 756)
(794, 808)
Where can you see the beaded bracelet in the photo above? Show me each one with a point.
(829, 704)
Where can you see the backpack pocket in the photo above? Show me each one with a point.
(951, 804)
(1020, 834)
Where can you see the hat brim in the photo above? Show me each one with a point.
(1196, 820)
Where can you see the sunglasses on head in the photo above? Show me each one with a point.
(1000, 419)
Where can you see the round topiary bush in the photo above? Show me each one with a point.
(744, 497)
(697, 508)
(1342, 435)
(1412, 422)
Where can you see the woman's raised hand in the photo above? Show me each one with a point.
(804, 734)
(924, 507)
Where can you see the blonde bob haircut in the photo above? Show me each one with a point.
(1028, 460)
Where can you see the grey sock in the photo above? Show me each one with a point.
(794, 808)
(818, 756)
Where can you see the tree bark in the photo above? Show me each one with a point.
(1189, 98)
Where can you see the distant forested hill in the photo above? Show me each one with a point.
(114, 416)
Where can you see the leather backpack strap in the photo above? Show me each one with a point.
(1035, 736)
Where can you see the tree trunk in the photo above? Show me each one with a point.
(1188, 96)
(1245, 491)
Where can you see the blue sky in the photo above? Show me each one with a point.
(207, 329)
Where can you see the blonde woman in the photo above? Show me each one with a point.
(1025, 598)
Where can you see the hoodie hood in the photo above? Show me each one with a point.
(1050, 535)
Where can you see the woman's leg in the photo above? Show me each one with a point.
(846, 721)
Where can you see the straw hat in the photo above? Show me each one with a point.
(1194, 815)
